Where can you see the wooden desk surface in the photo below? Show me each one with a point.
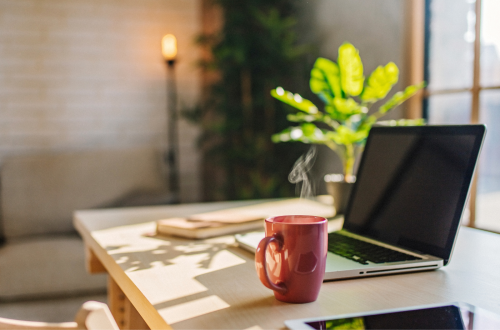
(212, 284)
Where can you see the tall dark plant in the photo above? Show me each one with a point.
(255, 50)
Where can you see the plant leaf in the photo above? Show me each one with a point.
(344, 135)
(308, 129)
(325, 80)
(300, 117)
(295, 100)
(342, 109)
(306, 133)
(347, 107)
(380, 82)
(351, 70)
(283, 136)
(400, 97)
(367, 123)
(402, 122)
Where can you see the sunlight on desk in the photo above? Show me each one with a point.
(255, 327)
(161, 285)
(166, 270)
(185, 311)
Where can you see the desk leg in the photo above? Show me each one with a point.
(93, 264)
(125, 314)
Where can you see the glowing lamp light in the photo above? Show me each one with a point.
(169, 47)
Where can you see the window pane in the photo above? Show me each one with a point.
(450, 108)
(451, 44)
(488, 193)
(490, 43)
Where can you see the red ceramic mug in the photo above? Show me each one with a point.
(291, 259)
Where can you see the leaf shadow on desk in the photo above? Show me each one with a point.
(249, 303)
(164, 252)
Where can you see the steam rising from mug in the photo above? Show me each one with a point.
(300, 171)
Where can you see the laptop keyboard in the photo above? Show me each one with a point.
(362, 252)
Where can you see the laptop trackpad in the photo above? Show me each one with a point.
(335, 263)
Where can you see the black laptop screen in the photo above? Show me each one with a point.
(412, 185)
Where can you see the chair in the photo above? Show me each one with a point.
(42, 255)
(92, 315)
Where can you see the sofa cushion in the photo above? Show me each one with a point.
(49, 266)
(40, 193)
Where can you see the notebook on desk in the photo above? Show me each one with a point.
(406, 205)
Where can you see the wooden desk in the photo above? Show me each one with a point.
(158, 282)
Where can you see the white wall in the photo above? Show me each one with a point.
(88, 74)
(376, 28)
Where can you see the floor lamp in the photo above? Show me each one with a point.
(169, 51)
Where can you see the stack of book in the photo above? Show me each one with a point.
(239, 219)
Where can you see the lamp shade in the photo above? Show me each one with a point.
(169, 47)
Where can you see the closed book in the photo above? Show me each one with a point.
(203, 229)
(235, 220)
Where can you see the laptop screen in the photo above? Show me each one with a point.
(412, 185)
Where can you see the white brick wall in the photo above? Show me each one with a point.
(88, 74)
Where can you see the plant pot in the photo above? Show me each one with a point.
(340, 190)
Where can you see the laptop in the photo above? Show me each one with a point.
(406, 205)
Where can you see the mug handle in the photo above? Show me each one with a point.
(261, 264)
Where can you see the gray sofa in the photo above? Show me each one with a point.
(41, 254)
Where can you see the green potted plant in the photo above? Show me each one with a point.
(345, 120)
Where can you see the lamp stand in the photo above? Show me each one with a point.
(171, 156)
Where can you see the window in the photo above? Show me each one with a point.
(462, 68)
